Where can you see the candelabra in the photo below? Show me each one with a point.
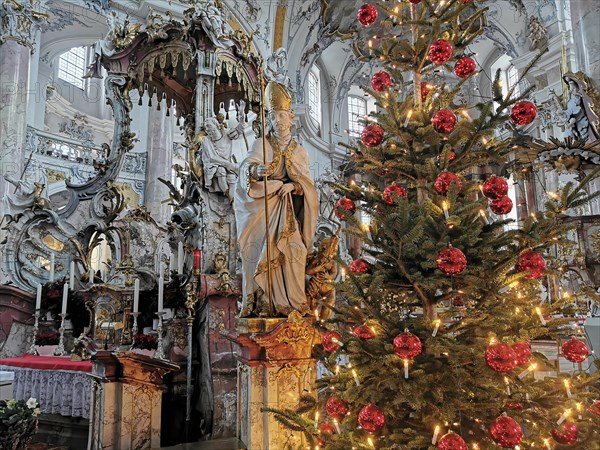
(33, 349)
(60, 349)
(190, 305)
(160, 353)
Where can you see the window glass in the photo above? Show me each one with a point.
(314, 95)
(357, 110)
(71, 66)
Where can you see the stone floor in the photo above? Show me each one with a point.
(217, 444)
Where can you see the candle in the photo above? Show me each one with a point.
(408, 116)
(436, 327)
(507, 386)
(406, 369)
(38, 297)
(316, 419)
(445, 208)
(355, 377)
(51, 266)
(65, 298)
(337, 426)
(568, 388)
(72, 274)
(91, 276)
(197, 259)
(343, 274)
(579, 410)
(436, 433)
(180, 258)
(160, 289)
(531, 368)
(564, 416)
(136, 295)
(538, 310)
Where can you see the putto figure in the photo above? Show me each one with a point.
(292, 214)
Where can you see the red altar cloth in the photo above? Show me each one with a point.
(48, 363)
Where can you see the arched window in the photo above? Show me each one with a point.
(71, 66)
(314, 94)
(357, 110)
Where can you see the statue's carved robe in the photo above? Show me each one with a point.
(292, 224)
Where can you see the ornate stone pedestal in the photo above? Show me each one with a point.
(274, 369)
(126, 401)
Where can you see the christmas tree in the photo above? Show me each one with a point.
(431, 345)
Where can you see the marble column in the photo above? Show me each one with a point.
(158, 163)
(585, 17)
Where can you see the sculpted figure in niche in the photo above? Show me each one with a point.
(292, 214)
(213, 22)
(220, 169)
(582, 106)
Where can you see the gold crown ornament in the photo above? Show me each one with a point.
(277, 97)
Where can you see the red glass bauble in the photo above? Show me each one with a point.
(407, 345)
(359, 266)
(523, 113)
(451, 261)
(513, 405)
(393, 189)
(595, 408)
(371, 418)
(501, 357)
(501, 206)
(331, 341)
(523, 352)
(336, 408)
(495, 188)
(344, 208)
(367, 14)
(443, 181)
(565, 434)
(464, 67)
(326, 428)
(574, 350)
(452, 441)
(415, 2)
(381, 81)
(440, 51)
(372, 135)
(444, 121)
(363, 332)
(506, 432)
(425, 88)
(532, 261)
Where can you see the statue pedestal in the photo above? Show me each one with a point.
(274, 369)
(126, 401)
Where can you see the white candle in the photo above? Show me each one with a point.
(316, 419)
(406, 369)
(65, 298)
(51, 266)
(180, 258)
(436, 433)
(436, 327)
(337, 426)
(531, 368)
(72, 273)
(343, 274)
(136, 295)
(160, 295)
(355, 377)
(538, 310)
(91, 275)
(562, 418)
(506, 380)
(568, 388)
(38, 297)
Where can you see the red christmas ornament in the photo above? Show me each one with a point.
(495, 188)
(425, 88)
(523, 113)
(452, 441)
(415, 2)
(523, 352)
(443, 181)
(513, 405)
(344, 208)
(395, 189)
(566, 434)
(501, 206)
(532, 261)
(574, 350)
(336, 408)
(451, 261)
(326, 428)
(331, 341)
(595, 408)
(359, 266)
(501, 357)
(367, 14)
(381, 81)
(458, 301)
(440, 51)
(464, 67)
(506, 432)
(372, 135)
(407, 345)
(363, 332)
(444, 121)
(371, 418)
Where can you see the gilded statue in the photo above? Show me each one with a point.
(322, 269)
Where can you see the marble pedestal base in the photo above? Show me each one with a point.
(126, 401)
(274, 369)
